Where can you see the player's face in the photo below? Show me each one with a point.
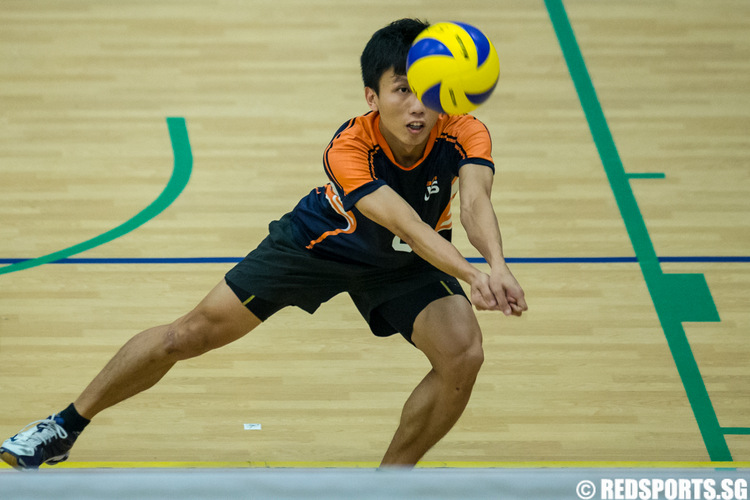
(404, 121)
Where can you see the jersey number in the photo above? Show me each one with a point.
(399, 245)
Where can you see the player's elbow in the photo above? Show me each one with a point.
(472, 204)
(407, 238)
(469, 221)
(466, 219)
(412, 233)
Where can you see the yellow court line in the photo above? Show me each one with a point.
(373, 465)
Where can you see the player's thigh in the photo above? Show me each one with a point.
(448, 333)
(220, 318)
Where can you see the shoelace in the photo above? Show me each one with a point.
(43, 431)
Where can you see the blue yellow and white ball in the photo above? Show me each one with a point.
(452, 67)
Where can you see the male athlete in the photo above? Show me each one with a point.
(380, 231)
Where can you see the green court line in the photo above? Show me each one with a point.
(676, 297)
(183, 165)
(736, 430)
(645, 176)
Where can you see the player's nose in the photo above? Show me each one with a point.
(415, 105)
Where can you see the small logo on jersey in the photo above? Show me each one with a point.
(432, 188)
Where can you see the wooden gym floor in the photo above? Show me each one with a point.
(622, 189)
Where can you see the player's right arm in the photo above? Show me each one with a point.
(385, 207)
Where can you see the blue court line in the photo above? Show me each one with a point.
(473, 260)
(183, 165)
(705, 259)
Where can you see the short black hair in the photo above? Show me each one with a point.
(388, 48)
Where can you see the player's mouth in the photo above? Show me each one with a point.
(415, 127)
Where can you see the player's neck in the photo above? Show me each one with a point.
(408, 158)
(404, 154)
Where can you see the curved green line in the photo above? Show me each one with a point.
(183, 166)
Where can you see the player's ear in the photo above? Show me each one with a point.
(372, 98)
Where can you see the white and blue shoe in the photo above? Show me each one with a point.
(40, 442)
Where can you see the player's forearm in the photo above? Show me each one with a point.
(439, 252)
(388, 209)
(480, 222)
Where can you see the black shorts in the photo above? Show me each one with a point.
(279, 273)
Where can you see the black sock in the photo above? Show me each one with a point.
(72, 421)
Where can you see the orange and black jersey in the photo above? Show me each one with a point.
(358, 161)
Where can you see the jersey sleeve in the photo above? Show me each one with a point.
(348, 161)
(474, 142)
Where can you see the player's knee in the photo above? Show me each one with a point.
(463, 360)
(460, 378)
(472, 359)
(189, 336)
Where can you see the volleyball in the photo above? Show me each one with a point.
(452, 67)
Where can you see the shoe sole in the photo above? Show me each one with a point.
(57, 460)
(11, 460)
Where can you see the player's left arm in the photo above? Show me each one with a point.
(480, 222)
